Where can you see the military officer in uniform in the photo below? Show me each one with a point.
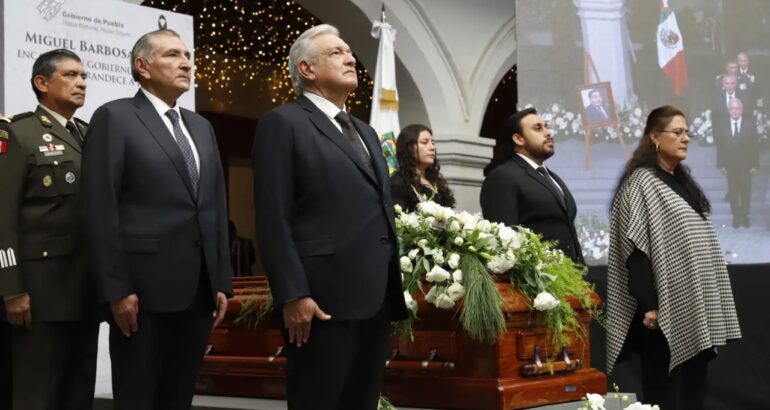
(47, 293)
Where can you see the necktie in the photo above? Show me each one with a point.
(184, 146)
(350, 132)
(75, 132)
(735, 128)
(544, 173)
(604, 114)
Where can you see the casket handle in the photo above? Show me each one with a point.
(538, 362)
(430, 358)
(565, 356)
(393, 355)
(271, 358)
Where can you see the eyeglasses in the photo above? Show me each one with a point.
(679, 132)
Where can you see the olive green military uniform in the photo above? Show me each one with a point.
(41, 253)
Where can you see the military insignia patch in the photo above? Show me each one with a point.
(45, 120)
(69, 177)
(47, 137)
(47, 181)
(4, 134)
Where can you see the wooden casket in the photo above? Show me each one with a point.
(441, 368)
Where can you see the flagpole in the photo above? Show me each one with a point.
(382, 16)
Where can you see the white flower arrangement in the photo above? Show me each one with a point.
(594, 238)
(457, 255)
(594, 401)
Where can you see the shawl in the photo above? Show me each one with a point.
(695, 301)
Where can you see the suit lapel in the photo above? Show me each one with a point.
(150, 118)
(323, 123)
(56, 129)
(373, 146)
(541, 180)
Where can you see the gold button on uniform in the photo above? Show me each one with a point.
(47, 181)
(45, 254)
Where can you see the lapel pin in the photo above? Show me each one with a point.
(47, 182)
(47, 137)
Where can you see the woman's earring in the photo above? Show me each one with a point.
(656, 147)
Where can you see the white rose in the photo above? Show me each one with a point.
(427, 207)
(443, 301)
(458, 241)
(411, 304)
(430, 220)
(569, 115)
(438, 257)
(509, 237)
(638, 112)
(500, 265)
(406, 264)
(398, 208)
(437, 274)
(710, 140)
(484, 225)
(454, 260)
(546, 301)
(555, 107)
(596, 401)
(457, 276)
(456, 291)
(430, 297)
(410, 220)
(454, 226)
(413, 253)
(638, 133)
(422, 243)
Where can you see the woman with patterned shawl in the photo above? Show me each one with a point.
(669, 297)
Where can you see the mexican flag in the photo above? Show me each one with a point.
(384, 115)
(671, 49)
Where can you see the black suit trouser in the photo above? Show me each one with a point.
(54, 365)
(341, 367)
(739, 192)
(156, 367)
(684, 388)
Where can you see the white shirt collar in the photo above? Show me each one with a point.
(326, 106)
(58, 117)
(160, 106)
(533, 164)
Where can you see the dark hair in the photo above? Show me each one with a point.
(594, 91)
(645, 157)
(504, 147)
(407, 162)
(47, 63)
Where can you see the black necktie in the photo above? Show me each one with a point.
(75, 132)
(735, 128)
(544, 173)
(350, 132)
(184, 146)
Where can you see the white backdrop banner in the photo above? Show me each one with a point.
(101, 32)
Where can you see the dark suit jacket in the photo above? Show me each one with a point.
(595, 114)
(148, 233)
(740, 152)
(325, 221)
(516, 194)
(40, 242)
(719, 103)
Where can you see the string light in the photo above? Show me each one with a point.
(238, 41)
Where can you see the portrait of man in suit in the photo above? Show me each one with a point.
(325, 230)
(597, 110)
(738, 158)
(156, 218)
(47, 291)
(523, 191)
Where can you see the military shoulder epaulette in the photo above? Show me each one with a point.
(14, 118)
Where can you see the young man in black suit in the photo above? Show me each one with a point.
(156, 221)
(522, 191)
(325, 228)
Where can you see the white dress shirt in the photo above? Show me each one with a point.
(534, 166)
(330, 110)
(161, 107)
